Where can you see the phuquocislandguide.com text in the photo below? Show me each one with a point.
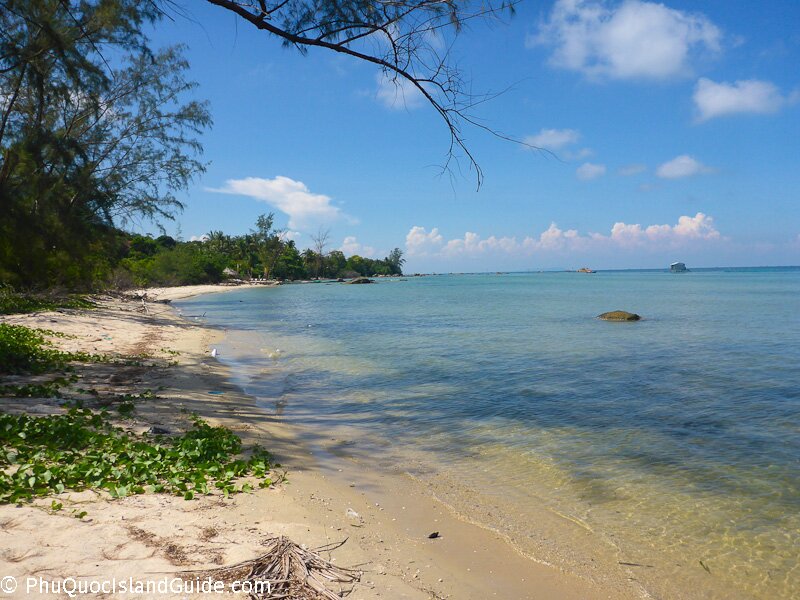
(74, 587)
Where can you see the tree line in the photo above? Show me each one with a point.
(264, 253)
(97, 129)
(100, 130)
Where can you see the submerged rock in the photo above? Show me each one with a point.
(619, 315)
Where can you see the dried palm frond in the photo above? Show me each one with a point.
(291, 572)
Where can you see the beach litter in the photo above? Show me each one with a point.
(292, 572)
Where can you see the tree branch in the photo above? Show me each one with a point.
(409, 51)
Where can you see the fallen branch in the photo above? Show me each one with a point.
(292, 572)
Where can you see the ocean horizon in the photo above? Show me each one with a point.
(672, 441)
(733, 269)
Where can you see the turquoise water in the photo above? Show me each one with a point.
(676, 438)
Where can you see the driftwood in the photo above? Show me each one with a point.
(292, 572)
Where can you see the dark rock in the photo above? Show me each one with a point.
(158, 431)
(361, 280)
(434, 535)
(619, 315)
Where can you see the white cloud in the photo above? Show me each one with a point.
(552, 238)
(397, 92)
(420, 242)
(682, 166)
(589, 171)
(630, 170)
(697, 229)
(634, 39)
(553, 139)
(304, 208)
(472, 244)
(745, 96)
(351, 246)
(199, 238)
(701, 226)
(582, 153)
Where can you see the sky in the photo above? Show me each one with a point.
(671, 133)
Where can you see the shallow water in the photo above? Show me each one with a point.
(673, 439)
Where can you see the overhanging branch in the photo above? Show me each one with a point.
(406, 46)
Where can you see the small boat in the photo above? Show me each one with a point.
(586, 270)
(678, 267)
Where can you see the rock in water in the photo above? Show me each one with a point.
(361, 280)
(619, 315)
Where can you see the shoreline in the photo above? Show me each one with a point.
(157, 533)
(408, 495)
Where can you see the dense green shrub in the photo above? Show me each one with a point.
(47, 455)
(12, 302)
(23, 349)
(183, 264)
(26, 350)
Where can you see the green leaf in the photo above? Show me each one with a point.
(81, 449)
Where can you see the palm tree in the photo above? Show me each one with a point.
(218, 241)
(395, 261)
(243, 254)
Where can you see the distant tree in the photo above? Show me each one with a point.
(218, 241)
(320, 240)
(185, 263)
(409, 40)
(269, 243)
(243, 255)
(143, 245)
(356, 264)
(395, 261)
(290, 263)
(166, 241)
(336, 262)
(310, 260)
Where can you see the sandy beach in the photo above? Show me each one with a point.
(386, 518)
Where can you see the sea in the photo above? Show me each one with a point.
(669, 446)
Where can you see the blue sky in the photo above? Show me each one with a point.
(675, 129)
